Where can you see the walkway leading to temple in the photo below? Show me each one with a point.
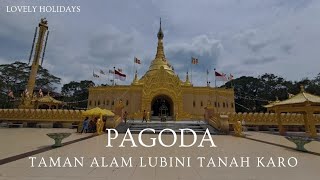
(136, 126)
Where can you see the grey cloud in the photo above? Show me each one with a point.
(287, 48)
(259, 60)
(255, 47)
(111, 45)
(203, 47)
(76, 46)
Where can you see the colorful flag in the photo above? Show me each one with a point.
(95, 75)
(136, 60)
(120, 70)
(194, 60)
(220, 76)
(40, 93)
(230, 77)
(26, 93)
(102, 72)
(10, 94)
(119, 75)
(111, 71)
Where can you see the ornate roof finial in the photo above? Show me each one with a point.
(188, 83)
(160, 33)
(136, 75)
(135, 80)
(301, 88)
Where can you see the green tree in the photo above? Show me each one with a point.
(15, 76)
(248, 92)
(76, 92)
(253, 93)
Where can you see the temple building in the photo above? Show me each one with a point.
(161, 92)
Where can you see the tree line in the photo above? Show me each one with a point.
(251, 93)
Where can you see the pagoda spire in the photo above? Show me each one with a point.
(160, 49)
(160, 60)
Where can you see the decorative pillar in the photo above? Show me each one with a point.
(280, 126)
(26, 100)
(311, 124)
(306, 123)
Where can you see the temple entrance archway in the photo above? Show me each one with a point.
(162, 105)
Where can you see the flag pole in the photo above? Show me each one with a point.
(134, 67)
(108, 76)
(215, 86)
(207, 78)
(215, 78)
(191, 71)
(114, 74)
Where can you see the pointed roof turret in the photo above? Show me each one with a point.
(135, 80)
(188, 83)
(160, 59)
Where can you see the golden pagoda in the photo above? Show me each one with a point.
(161, 92)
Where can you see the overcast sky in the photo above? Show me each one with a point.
(241, 37)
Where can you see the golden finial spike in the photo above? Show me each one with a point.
(187, 79)
(160, 33)
(301, 88)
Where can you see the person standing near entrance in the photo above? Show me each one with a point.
(144, 117)
(85, 125)
(125, 115)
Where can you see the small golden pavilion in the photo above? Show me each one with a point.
(161, 92)
(302, 103)
(47, 102)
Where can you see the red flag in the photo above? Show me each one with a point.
(220, 76)
(119, 75)
(194, 60)
(136, 60)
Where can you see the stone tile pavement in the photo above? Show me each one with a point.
(227, 146)
(14, 141)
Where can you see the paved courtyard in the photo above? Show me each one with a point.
(15, 141)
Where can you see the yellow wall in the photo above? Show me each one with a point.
(221, 99)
